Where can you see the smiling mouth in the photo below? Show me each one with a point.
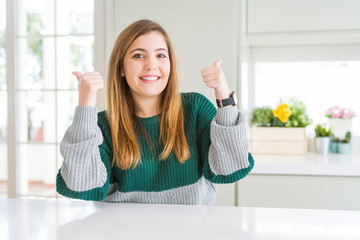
(150, 78)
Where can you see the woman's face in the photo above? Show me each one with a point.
(147, 65)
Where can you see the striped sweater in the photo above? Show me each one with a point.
(218, 147)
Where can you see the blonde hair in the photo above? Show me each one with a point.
(120, 104)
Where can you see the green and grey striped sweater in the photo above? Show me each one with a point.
(218, 146)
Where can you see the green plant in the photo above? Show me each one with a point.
(347, 138)
(299, 117)
(265, 116)
(321, 131)
(262, 117)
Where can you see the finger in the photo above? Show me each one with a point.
(210, 78)
(92, 78)
(99, 85)
(209, 71)
(92, 73)
(77, 75)
(212, 83)
(96, 87)
(217, 63)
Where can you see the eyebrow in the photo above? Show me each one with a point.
(143, 50)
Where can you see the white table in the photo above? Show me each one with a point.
(67, 219)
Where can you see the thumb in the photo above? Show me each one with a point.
(217, 63)
(77, 75)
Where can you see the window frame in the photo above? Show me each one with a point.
(13, 143)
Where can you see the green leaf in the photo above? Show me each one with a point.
(321, 131)
(262, 117)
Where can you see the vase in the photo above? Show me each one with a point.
(322, 144)
(344, 148)
(334, 147)
(340, 126)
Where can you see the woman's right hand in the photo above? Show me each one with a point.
(89, 84)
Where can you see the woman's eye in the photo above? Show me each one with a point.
(162, 56)
(138, 55)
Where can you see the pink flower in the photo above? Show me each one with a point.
(348, 113)
(330, 110)
(338, 112)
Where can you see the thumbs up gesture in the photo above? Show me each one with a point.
(214, 77)
(89, 84)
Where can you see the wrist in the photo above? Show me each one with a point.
(222, 93)
(87, 102)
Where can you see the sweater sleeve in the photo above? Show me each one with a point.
(225, 146)
(86, 169)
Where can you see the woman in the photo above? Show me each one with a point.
(153, 144)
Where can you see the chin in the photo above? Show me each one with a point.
(151, 94)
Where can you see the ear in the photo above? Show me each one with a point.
(122, 72)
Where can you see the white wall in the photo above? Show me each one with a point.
(201, 31)
(296, 22)
(303, 15)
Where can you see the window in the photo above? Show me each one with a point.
(53, 39)
(3, 101)
(319, 84)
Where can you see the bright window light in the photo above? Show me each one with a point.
(319, 85)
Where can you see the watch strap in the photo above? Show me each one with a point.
(226, 102)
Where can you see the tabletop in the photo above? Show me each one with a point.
(72, 219)
(316, 164)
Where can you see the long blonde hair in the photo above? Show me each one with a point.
(121, 110)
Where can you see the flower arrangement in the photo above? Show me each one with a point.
(338, 112)
(284, 115)
(282, 112)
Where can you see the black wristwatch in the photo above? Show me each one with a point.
(232, 100)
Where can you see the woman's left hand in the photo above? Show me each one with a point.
(214, 78)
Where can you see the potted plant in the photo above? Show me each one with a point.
(334, 144)
(322, 140)
(340, 120)
(280, 130)
(344, 146)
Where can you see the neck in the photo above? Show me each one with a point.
(146, 106)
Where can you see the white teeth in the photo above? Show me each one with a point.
(149, 78)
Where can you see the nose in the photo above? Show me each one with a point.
(151, 63)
